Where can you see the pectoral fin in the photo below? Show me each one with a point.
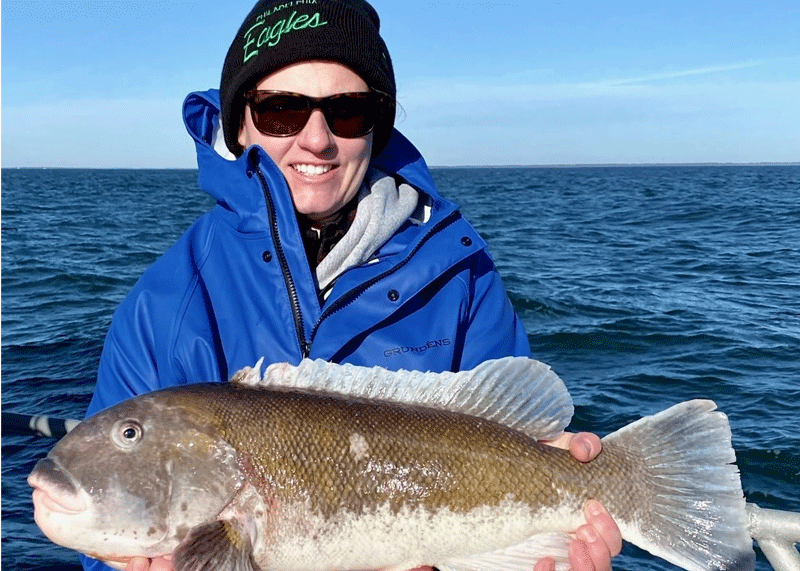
(215, 545)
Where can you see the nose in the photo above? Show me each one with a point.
(316, 136)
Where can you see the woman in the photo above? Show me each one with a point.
(328, 240)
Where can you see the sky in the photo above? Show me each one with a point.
(100, 84)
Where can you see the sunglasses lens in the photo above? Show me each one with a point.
(352, 115)
(348, 115)
(280, 115)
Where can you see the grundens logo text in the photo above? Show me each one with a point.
(418, 349)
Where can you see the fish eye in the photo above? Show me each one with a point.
(127, 433)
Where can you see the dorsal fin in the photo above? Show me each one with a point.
(521, 393)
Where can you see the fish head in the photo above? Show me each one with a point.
(133, 479)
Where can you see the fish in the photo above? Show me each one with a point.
(327, 467)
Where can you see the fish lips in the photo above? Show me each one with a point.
(54, 488)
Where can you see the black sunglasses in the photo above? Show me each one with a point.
(283, 114)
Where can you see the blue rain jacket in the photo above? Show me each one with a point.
(237, 286)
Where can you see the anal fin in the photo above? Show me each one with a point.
(520, 557)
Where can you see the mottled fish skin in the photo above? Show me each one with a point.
(243, 478)
(334, 461)
(356, 455)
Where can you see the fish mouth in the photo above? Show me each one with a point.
(54, 489)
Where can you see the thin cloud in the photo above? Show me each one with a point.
(682, 73)
(525, 86)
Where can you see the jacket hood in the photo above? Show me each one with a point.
(225, 177)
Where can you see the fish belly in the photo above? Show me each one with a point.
(385, 538)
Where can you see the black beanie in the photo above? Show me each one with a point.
(279, 33)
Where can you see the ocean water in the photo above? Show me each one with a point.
(640, 286)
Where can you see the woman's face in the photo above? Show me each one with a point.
(323, 171)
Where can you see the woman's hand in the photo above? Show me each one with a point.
(599, 539)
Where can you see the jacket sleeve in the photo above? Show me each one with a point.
(163, 325)
(90, 564)
(493, 329)
(139, 353)
(128, 363)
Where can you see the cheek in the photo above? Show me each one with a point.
(359, 153)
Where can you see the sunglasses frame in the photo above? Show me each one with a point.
(375, 102)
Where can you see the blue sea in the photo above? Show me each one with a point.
(640, 286)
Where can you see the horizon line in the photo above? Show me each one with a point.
(468, 166)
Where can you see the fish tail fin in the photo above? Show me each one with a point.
(693, 512)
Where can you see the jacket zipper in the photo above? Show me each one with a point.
(350, 296)
(294, 300)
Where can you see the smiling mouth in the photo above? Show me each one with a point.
(312, 170)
